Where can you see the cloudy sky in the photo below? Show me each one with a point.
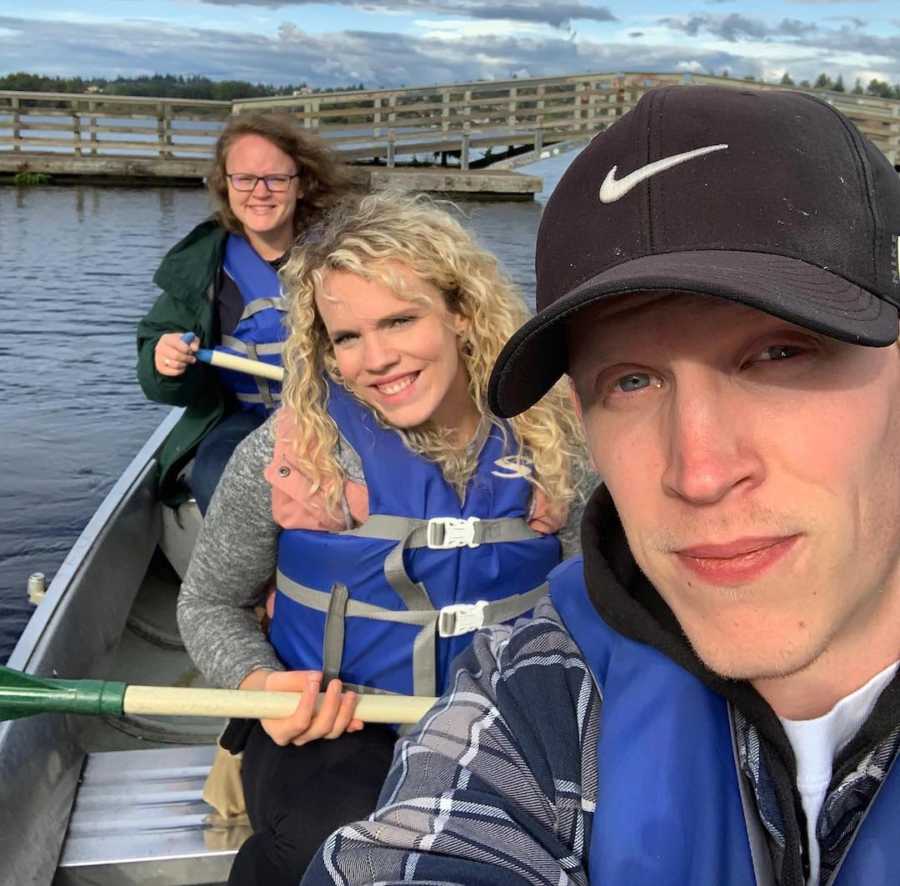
(415, 42)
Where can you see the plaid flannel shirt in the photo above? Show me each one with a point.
(497, 786)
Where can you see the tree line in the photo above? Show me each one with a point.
(879, 88)
(194, 87)
(158, 86)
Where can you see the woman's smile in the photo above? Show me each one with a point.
(398, 352)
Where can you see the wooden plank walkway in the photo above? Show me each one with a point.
(140, 171)
(457, 126)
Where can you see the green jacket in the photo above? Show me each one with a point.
(188, 276)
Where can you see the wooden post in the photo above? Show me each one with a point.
(392, 115)
(390, 149)
(579, 96)
(164, 129)
(538, 139)
(16, 132)
(464, 152)
(513, 107)
(467, 110)
(539, 111)
(76, 129)
(445, 113)
(92, 106)
(592, 109)
(376, 116)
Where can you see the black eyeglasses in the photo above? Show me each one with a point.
(242, 181)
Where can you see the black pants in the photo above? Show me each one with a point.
(214, 451)
(296, 796)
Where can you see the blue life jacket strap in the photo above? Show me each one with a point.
(450, 621)
(438, 533)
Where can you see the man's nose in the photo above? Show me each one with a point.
(711, 452)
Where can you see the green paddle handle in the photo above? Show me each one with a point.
(66, 696)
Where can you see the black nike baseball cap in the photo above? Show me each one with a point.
(766, 197)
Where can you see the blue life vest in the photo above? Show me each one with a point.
(389, 604)
(260, 332)
(669, 807)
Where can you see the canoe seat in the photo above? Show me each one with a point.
(180, 527)
(139, 818)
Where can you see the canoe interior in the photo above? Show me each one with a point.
(99, 800)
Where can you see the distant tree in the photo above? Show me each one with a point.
(839, 84)
(804, 84)
(823, 81)
(726, 73)
(154, 86)
(787, 80)
(858, 87)
(880, 88)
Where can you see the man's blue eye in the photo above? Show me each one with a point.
(636, 381)
(779, 352)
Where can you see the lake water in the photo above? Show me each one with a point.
(76, 269)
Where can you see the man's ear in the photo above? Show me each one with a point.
(576, 400)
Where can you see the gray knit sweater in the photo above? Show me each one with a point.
(234, 561)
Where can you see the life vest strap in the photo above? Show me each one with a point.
(268, 349)
(439, 533)
(263, 304)
(334, 627)
(265, 394)
(450, 621)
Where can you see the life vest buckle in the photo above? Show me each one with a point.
(461, 618)
(444, 533)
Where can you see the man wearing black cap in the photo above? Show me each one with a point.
(711, 696)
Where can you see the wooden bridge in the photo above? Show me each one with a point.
(446, 137)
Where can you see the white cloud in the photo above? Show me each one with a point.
(462, 29)
(693, 67)
(438, 50)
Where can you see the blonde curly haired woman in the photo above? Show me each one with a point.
(397, 514)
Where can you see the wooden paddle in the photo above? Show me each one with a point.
(232, 361)
(22, 695)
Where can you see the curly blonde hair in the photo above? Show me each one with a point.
(362, 235)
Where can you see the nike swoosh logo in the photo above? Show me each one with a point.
(612, 189)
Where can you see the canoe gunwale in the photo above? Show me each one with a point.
(73, 633)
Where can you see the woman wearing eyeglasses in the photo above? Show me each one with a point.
(269, 180)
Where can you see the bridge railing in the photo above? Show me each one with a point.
(374, 125)
(87, 125)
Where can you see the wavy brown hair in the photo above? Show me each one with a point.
(363, 236)
(323, 178)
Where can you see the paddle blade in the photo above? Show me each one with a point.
(22, 695)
